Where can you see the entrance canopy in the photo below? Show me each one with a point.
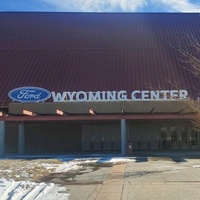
(99, 111)
(129, 107)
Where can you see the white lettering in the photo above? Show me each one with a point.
(81, 96)
(134, 94)
(28, 94)
(94, 96)
(58, 97)
(183, 94)
(122, 95)
(164, 94)
(155, 95)
(111, 95)
(173, 94)
(71, 95)
(145, 95)
(103, 94)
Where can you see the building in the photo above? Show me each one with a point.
(85, 82)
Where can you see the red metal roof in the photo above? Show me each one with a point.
(95, 51)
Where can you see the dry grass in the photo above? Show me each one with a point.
(27, 170)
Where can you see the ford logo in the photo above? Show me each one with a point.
(29, 94)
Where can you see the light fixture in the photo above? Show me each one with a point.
(3, 114)
(92, 112)
(60, 112)
(29, 113)
(122, 110)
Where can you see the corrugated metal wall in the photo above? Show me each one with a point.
(95, 51)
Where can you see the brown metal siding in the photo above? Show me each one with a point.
(95, 51)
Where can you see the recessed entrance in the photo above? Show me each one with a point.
(164, 137)
(101, 137)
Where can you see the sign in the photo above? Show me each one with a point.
(136, 95)
(29, 94)
(37, 94)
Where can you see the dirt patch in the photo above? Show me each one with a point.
(70, 177)
(67, 178)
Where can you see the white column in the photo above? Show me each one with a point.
(123, 137)
(2, 138)
(21, 139)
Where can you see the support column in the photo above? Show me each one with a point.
(123, 137)
(2, 138)
(21, 139)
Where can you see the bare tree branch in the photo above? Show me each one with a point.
(191, 58)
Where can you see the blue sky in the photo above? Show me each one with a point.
(101, 5)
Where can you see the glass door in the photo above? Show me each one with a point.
(163, 137)
(194, 139)
(174, 137)
(107, 141)
(86, 141)
(184, 138)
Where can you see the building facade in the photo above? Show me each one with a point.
(97, 82)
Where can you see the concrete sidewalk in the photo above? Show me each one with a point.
(162, 179)
(145, 178)
(112, 187)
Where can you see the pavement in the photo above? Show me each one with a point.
(150, 177)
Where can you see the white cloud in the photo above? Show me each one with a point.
(123, 5)
(179, 5)
(98, 5)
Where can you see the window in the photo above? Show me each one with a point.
(194, 137)
(184, 137)
(163, 133)
(174, 135)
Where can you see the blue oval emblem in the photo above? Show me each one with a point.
(29, 94)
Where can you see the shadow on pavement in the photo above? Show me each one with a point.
(178, 159)
(141, 159)
(175, 155)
